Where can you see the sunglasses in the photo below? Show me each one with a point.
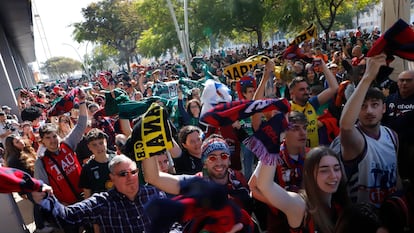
(125, 173)
(214, 158)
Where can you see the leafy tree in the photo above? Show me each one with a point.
(325, 13)
(294, 15)
(213, 20)
(100, 58)
(114, 24)
(160, 33)
(287, 16)
(248, 15)
(60, 67)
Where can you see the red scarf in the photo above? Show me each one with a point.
(289, 171)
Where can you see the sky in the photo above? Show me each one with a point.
(55, 17)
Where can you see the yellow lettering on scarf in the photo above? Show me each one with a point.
(238, 70)
(139, 151)
(307, 34)
(154, 139)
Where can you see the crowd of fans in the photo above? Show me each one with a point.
(73, 136)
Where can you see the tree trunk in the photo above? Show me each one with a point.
(328, 48)
(259, 38)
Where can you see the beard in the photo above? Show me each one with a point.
(370, 124)
(218, 174)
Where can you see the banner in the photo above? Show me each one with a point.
(187, 85)
(167, 90)
(238, 70)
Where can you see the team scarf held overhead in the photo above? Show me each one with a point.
(167, 90)
(133, 109)
(293, 51)
(187, 85)
(150, 136)
(397, 40)
(265, 142)
(238, 70)
(64, 104)
(307, 34)
(227, 113)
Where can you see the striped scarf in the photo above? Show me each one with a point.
(150, 136)
(227, 113)
(289, 171)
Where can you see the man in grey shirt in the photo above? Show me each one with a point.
(59, 166)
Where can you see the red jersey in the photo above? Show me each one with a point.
(68, 162)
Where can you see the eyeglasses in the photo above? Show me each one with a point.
(125, 173)
(214, 158)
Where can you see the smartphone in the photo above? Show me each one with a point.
(316, 62)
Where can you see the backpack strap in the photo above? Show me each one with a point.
(394, 138)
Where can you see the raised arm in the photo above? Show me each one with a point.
(141, 83)
(290, 203)
(260, 92)
(164, 181)
(75, 135)
(184, 114)
(255, 191)
(328, 93)
(176, 151)
(352, 141)
(125, 127)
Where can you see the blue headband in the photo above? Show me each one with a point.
(213, 144)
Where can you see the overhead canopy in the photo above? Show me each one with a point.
(16, 19)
